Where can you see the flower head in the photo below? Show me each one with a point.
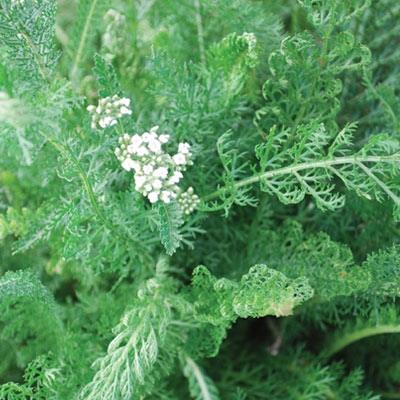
(157, 173)
(108, 110)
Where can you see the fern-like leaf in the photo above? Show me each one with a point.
(27, 30)
(170, 221)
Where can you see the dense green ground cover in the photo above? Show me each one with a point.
(245, 249)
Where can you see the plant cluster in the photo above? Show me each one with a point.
(199, 199)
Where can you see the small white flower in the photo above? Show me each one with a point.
(136, 140)
(161, 172)
(137, 167)
(139, 181)
(147, 169)
(163, 138)
(165, 196)
(142, 151)
(103, 123)
(125, 101)
(175, 178)
(179, 159)
(153, 197)
(155, 146)
(184, 148)
(157, 184)
(146, 137)
(128, 164)
(125, 111)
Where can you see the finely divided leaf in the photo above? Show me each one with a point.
(170, 222)
(27, 31)
(24, 284)
(106, 77)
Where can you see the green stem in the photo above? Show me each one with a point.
(300, 167)
(66, 151)
(360, 334)
(83, 39)
(200, 32)
(87, 185)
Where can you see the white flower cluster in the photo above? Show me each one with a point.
(188, 201)
(109, 110)
(157, 173)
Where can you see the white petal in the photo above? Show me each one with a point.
(163, 138)
(184, 148)
(155, 146)
(147, 169)
(125, 101)
(161, 172)
(165, 196)
(179, 159)
(127, 164)
(139, 181)
(142, 151)
(125, 111)
(136, 139)
(157, 184)
(153, 197)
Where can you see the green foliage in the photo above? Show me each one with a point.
(86, 25)
(287, 117)
(200, 385)
(27, 31)
(14, 285)
(283, 294)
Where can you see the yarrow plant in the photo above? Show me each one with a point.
(199, 200)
